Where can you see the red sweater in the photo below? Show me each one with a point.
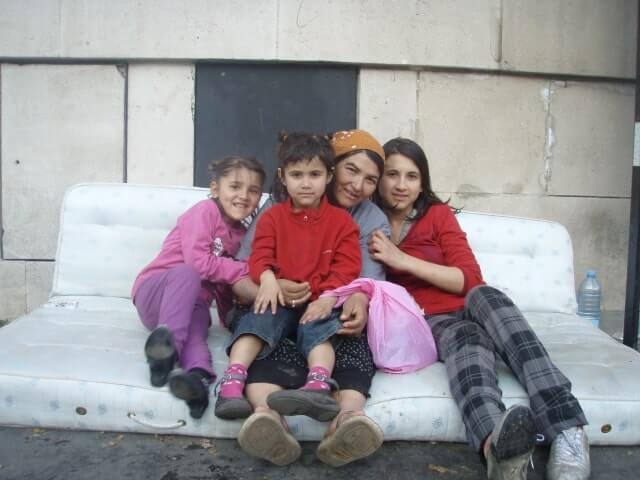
(320, 246)
(438, 238)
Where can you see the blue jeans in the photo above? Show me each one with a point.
(272, 329)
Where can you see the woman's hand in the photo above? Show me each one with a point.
(383, 250)
(269, 293)
(355, 313)
(449, 279)
(320, 308)
(294, 293)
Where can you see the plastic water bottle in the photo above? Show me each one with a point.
(589, 298)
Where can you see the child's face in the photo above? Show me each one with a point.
(238, 193)
(306, 182)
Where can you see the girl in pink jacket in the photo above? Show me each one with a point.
(174, 292)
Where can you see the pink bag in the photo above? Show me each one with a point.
(399, 337)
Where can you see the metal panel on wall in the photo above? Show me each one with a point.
(241, 108)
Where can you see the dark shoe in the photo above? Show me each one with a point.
(231, 408)
(193, 388)
(264, 436)
(512, 444)
(317, 404)
(161, 353)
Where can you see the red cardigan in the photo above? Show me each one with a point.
(321, 246)
(438, 238)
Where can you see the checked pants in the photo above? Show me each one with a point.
(469, 340)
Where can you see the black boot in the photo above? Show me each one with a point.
(161, 353)
(193, 388)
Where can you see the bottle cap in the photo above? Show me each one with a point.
(591, 273)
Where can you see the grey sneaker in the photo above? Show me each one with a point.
(569, 456)
(512, 443)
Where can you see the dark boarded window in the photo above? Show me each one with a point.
(241, 108)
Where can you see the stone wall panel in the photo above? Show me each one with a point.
(61, 125)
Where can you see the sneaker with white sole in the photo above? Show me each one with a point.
(569, 456)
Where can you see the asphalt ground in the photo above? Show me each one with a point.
(36, 453)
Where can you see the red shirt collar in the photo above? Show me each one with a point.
(309, 213)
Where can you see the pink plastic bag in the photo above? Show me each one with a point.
(399, 337)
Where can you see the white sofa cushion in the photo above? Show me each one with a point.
(531, 260)
(109, 232)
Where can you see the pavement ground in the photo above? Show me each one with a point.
(36, 453)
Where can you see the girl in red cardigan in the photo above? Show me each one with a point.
(304, 239)
(472, 324)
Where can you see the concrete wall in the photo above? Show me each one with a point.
(531, 147)
(586, 37)
(524, 108)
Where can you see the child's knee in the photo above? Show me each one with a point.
(186, 274)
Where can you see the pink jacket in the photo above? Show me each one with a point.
(205, 241)
(399, 337)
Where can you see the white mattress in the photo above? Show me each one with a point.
(78, 361)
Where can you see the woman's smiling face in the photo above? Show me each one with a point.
(356, 178)
(401, 183)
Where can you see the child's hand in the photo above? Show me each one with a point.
(318, 309)
(269, 293)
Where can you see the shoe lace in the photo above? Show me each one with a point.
(227, 377)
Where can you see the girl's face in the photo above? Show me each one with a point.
(401, 183)
(306, 182)
(238, 193)
(356, 179)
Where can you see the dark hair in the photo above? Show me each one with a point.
(295, 147)
(222, 168)
(413, 151)
(371, 155)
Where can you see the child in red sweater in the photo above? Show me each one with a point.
(304, 239)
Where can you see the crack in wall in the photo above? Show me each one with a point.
(549, 137)
(277, 56)
(415, 129)
(497, 27)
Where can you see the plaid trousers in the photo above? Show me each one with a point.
(468, 341)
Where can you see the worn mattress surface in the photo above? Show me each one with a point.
(77, 361)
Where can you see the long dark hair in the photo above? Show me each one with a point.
(413, 151)
(297, 146)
